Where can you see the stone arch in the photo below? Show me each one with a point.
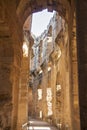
(27, 7)
(27, 23)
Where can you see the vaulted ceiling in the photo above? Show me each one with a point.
(27, 7)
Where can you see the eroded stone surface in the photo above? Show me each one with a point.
(11, 36)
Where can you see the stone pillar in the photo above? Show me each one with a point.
(75, 93)
(10, 61)
(81, 20)
(23, 94)
(66, 75)
(44, 90)
(64, 94)
(53, 86)
(6, 84)
(23, 108)
(35, 96)
(64, 81)
(10, 58)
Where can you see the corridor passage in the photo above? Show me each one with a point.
(36, 124)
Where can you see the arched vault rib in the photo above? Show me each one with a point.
(27, 7)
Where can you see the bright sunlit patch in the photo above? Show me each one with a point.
(49, 101)
(40, 114)
(58, 87)
(24, 125)
(38, 128)
(49, 68)
(39, 94)
(25, 50)
(40, 21)
(49, 39)
(40, 72)
(31, 122)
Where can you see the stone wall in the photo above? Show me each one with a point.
(11, 51)
(10, 61)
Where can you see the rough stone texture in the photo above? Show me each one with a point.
(10, 60)
(23, 94)
(29, 6)
(82, 59)
(75, 93)
(11, 36)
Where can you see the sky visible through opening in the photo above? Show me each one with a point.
(40, 21)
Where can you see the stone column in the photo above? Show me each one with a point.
(81, 20)
(35, 96)
(64, 81)
(6, 84)
(10, 60)
(75, 93)
(56, 101)
(23, 94)
(44, 90)
(53, 87)
(23, 107)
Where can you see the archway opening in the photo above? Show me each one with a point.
(45, 49)
(49, 46)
